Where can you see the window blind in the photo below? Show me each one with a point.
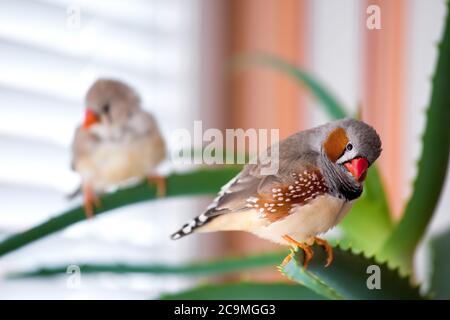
(51, 51)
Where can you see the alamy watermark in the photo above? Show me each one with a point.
(373, 21)
(73, 17)
(373, 282)
(208, 147)
(74, 277)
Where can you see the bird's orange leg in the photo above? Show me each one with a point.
(90, 201)
(287, 259)
(306, 249)
(160, 182)
(328, 249)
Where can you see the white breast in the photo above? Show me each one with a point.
(113, 163)
(320, 215)
(307, 221)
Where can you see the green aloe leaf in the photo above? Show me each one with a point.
(333, 108)
(401, 244)
(246, 291)
(192, 183)
(369, 223)
(440, 258)
(222, 266)
(349, 276)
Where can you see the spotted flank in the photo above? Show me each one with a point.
(306, 186)
(303, 187)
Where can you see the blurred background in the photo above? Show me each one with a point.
(176, 53)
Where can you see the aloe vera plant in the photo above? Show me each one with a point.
(440, 261)
(246, 291)
(349, 277)
(400, 247)
(223, 266)
(198, 182)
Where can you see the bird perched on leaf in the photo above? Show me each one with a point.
(321, 173)
(117, 141)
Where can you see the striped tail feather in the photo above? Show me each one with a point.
(211, 212)
(198, 222)
(190, 227)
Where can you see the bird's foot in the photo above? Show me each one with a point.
(91, 201)
(328, 249)
(161, 186)
(305, 248)
(287, 259)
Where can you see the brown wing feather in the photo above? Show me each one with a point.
(305, 186)
(273, 196)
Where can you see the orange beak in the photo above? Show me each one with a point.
(90, 118)
(358, 168)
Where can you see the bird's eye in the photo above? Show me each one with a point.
(106, 108)
(349, 147)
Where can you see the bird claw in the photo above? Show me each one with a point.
(308, 252)
(161, 185)
(91, 201)
(328, 249)
(286, 260)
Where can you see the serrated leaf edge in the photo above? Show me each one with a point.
(397, 270)
(332, 294)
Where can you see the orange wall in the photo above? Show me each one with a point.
(261, 98)
(384, 92)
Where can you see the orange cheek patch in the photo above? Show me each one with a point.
(335, 144)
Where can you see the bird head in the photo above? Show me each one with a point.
(109, 103)
(352, 146)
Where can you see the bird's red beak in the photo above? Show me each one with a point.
(358, 168)
(90, 118)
